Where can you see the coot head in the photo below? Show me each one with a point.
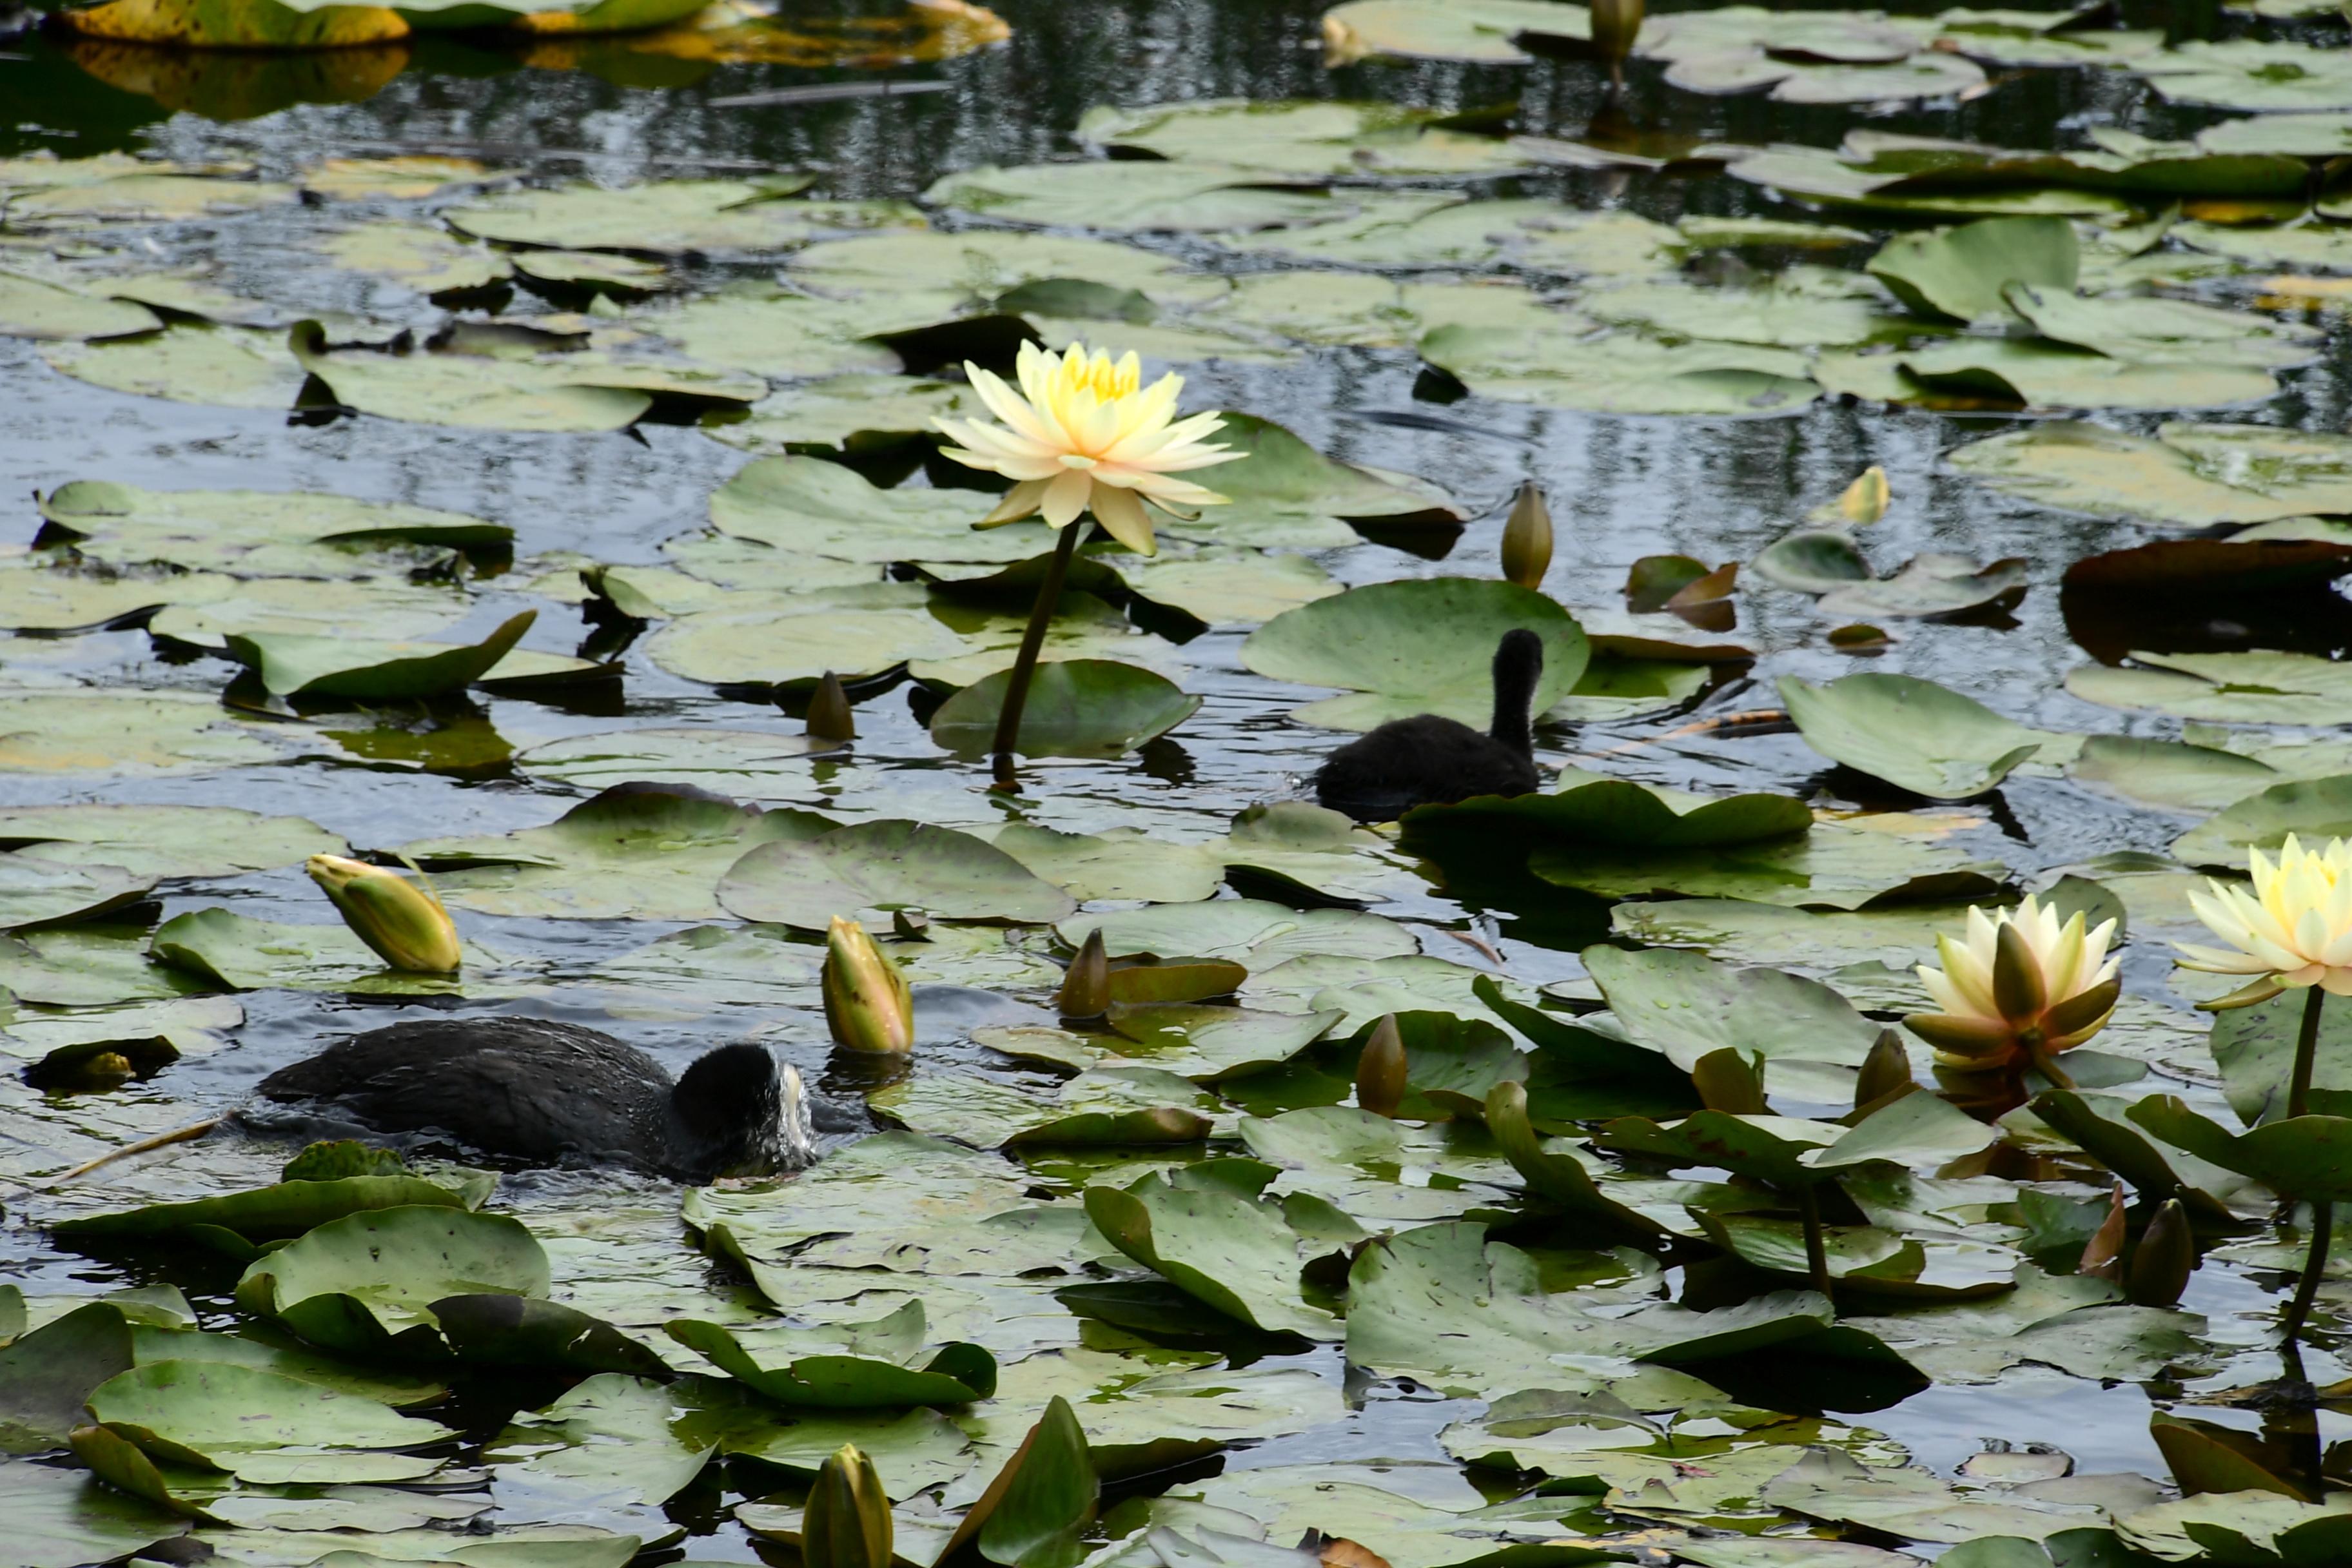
(732, 1113)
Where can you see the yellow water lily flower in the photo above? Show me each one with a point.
(1084, 434)
(2018, 989)
(402, 919)
(2294, 927)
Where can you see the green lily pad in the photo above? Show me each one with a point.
(1076, 708)
(127, 733)
(2091, 469)
(1118, 1106)
(847, 1367)
(262, 1427)
(848, 412)
(1412, 646)
(1354, 1158)
(1486, 31)
(585, 390)
(421, 257)
(671, 217)
(2316, 809)
(1688, 1006)
(1929, 587)
(285, 1209)
(1259, 933)
(30, 308)
(46, 1375)
(1205, 1229)
(62, 1519)
(164, 841)
(1960, 272)
(2263, 74)
(1283, 493)
(1914, 734)
(258, 532)
(1607, 814)
(293, 665)
(736, 763)
(1832, 865)
(817, 508)
(1620, 372)
(2255, 687)
(365, 1285)
(36, 892)
(984, 264)
(642, 854)
(1146, 197)
(887, 865)
(222, 367)
(612, 1439)
(1117, 863)
(1204, 1044)
(1296, 138)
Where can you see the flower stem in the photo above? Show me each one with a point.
(1024, 664)
(2315, 1264)
(1817, 1254)
(2307, 1052)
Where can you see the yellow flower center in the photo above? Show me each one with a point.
(1107, 379)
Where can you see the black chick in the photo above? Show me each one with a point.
(1428, 760)
(544, 1093)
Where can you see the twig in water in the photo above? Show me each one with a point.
(161, 1141)
(1752, 718)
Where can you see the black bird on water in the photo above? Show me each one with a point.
(543, 1093)
(1429, 759)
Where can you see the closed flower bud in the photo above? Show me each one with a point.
(1886, 1068)
(2020, 989)
(848, 1521)
(1527, 539)
(2166, 1258)
(1616, 23)
(1085, 985)
(1380, 1069)
(1864, 500)
(402, 919)
(866, 1003)
(829, 715)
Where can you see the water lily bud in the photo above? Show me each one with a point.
(1526, 537)
(2017, 991)
(848, 1521)
(829, 717)
(1732, 1082)
(1886, 1068)
(1086, 986)
(2103, 1255)
(1616, 23)
(402, 919)
(866, 1003)
(2167, 1256)
(1380, 1069)
(1864, 500)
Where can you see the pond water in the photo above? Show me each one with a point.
(1622, 488)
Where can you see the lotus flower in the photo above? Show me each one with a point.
(402, 921)
(2293, 929)
(866, 1003)
(1084, 434)
(2019, 990)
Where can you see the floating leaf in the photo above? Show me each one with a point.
(1914, 734)
(1076, 708)
(1411, 647)
(887, 865)
(1205, 1229)
(365, 1285)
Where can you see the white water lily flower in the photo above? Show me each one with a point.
(2017, 990)
(1084, 434)
(2294, 927)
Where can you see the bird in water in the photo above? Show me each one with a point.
(544, 1093)
(1431, 759)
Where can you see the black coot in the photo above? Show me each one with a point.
(1427, 760)
(546, 1093)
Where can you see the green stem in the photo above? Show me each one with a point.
(2315, 1264)
(1817, 1252)
(2307, 1052)
(1024, 664)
